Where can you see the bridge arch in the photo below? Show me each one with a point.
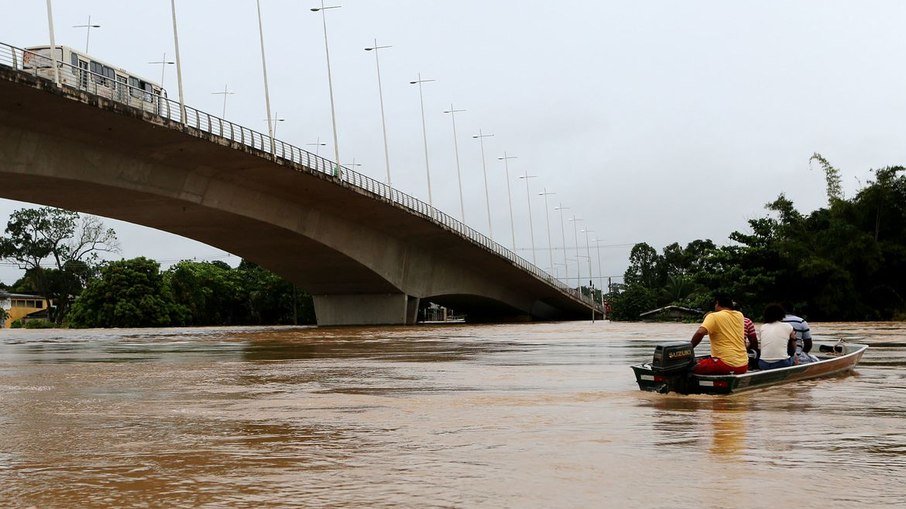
(364, 258)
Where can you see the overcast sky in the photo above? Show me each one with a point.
(654, 121)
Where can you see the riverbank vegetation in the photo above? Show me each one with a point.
(845, 261)
(60, 252)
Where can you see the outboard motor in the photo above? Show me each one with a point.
(669, 368)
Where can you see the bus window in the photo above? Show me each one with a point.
(102, 73)
(83, 74)
(134, 87)
(121, 88)
(97, 70)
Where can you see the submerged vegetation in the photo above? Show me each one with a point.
(845, 261)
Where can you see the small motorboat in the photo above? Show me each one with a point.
(670, 370)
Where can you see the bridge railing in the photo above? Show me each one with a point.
(108, 88)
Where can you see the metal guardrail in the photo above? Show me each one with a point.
(106, 87)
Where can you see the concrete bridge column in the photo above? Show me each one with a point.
(366, 309)
(412, 310)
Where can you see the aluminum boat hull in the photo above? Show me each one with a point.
(833, 360)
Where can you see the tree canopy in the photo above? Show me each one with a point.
(846, 261)
(213, 293)
(128, 293)
(59, 251)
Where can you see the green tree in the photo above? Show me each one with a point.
(213, 293)
(629, 301)
(644, 267)
(208, 292)
(272, 299)
(128, 293)
(843, 262)
(831, 177)
(58, 249)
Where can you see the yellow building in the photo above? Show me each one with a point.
(20, 305)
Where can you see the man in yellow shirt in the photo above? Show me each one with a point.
(725, 327)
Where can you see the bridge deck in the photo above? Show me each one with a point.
(331, 233)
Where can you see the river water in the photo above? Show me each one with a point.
(525, 415)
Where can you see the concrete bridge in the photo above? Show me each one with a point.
(368, 253)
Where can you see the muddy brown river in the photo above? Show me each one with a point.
(526, 415)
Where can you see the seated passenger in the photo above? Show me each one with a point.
(803, 336)
(778, 340)
(752, 348)
(728, 348)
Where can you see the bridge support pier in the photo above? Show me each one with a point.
(412, 310)
(365, 309)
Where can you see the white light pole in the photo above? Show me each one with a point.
(586, 231)
(575, 220)
(225, 93)
(600, 269)
(487, 199)
(591, 284)
(317, 144)
(462, 208)
(182, 101)
(267, 97)
(561, 208)
(547, 215)
(421, 99)
(333, 111)
(87, 28)
(509, 198)
(376, 49)
(528, 201)
(53, 44)
(163, 66)
(274, 121)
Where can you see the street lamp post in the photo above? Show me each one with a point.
(317, 144)
(591, 284)
(528, 201)
(462, 208)
(274, 121)
(421, 99)
(333, 112)
(53, 44)
(586, 231)
(87, 28)
(509, 198)
(600, 269)
(377, 63)
(225, 93)
(547, 215)
(163, 66)
(575, 220)
(182, 100)
(487, 199)
(267, 97)
(561, 208)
